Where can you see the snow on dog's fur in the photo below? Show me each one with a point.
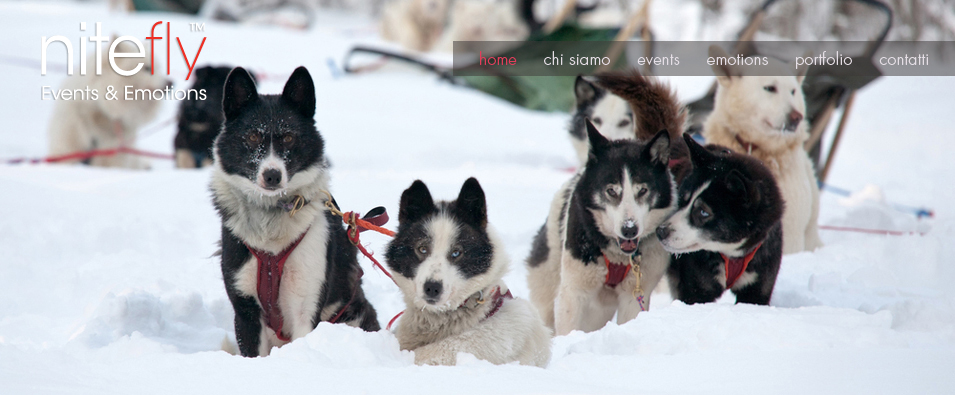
(605, 214)
(764, 116)
(448, 263)
(83, 125)
(608, 112)
(268, 154)
(729, 209)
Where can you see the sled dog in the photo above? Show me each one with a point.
(200, 119)
(414, 24)
(97, 123)
(764, 117)
(448, 263)
(597, 253)
(727, 231)
(287, 263)
(608, 112)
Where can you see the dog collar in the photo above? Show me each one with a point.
(267, 284)
(749, 147)
(495, 296)
(735, 267)
(293, 205)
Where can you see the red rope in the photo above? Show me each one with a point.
(870, 231)
(89, 154)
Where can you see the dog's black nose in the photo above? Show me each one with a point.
(432, 289)
(272, 178)
(629, 231)
(793, 120)
(663, 232)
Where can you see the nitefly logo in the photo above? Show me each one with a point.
(127, 57)
(98, 38)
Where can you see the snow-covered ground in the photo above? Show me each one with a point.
(107, 284)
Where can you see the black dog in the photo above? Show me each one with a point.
(200, 118)
(727, 231)
(286, 260)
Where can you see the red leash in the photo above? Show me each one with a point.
(89, 154)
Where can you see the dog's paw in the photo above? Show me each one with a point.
(435, 356)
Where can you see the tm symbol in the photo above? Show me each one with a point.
(197, 27)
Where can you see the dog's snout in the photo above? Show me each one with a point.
(629, 230)
(663, 232)
(793, 120)
(272, 178)
(432, 291)
(168, 84)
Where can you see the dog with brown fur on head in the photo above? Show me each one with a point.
(764, 116)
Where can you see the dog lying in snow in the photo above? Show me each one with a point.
(726, 232)
(448, 263)
(763, 117)
(414, 24)
(83, 125)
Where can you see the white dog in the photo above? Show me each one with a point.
(415, 24)
(83, 125)
(764, 116)
(448, 263)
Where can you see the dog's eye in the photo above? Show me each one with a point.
(642, 191)
(793, 92)
(623, 123)
(423, 250)
(704, 214)
(770, 88)
(597, 121)
(612, 192)
(456, 253)
(288, 139)
(254, 138)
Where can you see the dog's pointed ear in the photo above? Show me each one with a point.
(697, 152)
(659, 148)
(598, 142)
(584, 91)
(724, 72)
(740, 185)
(804, 70)
(239, 92)
(416, 202)
(471, 204)
(299, 92)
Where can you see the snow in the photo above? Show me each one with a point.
(108, 283)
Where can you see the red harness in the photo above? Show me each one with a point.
(498, 300)
(616, 272)
(268, 281)
(735, 267)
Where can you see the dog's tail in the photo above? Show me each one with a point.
(656, 107)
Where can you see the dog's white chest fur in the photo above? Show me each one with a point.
(301, 283)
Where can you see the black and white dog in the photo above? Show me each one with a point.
(610, 113)
(200, 120)
(597, 254)
(727, 231)
(286, 261)
(448, 263)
